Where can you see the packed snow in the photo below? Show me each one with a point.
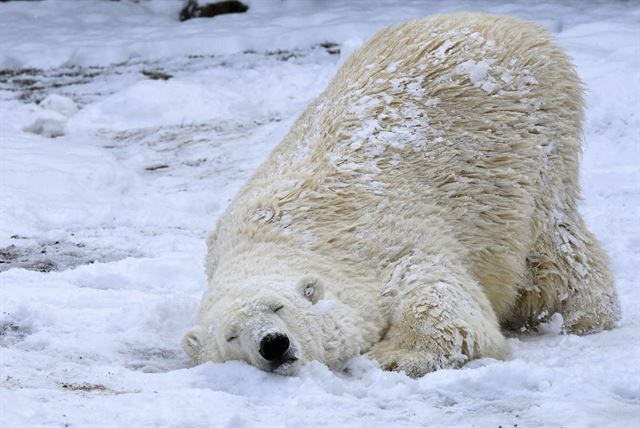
(123, 135)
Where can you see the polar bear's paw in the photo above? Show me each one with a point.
(412, 362)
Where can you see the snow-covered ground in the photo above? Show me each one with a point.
(102, 228)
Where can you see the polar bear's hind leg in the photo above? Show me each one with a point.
(568, 274)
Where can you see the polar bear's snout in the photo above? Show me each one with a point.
(279, 353)
(273, 346)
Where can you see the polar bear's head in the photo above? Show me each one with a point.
(273, 326)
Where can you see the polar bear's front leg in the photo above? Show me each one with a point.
(441, 319)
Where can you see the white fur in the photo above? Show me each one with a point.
(430, 193)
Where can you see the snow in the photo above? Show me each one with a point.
(110, 180)
(477, 72)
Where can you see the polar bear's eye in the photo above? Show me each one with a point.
(230, 338)
(276, 308)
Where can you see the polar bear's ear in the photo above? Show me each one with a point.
(311, 289)
(193, 342)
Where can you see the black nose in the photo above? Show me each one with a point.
(273, 346)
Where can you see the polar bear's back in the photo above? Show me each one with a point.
(472, 82)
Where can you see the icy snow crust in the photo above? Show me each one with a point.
(102, 228)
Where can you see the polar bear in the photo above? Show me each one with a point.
(424, 201)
